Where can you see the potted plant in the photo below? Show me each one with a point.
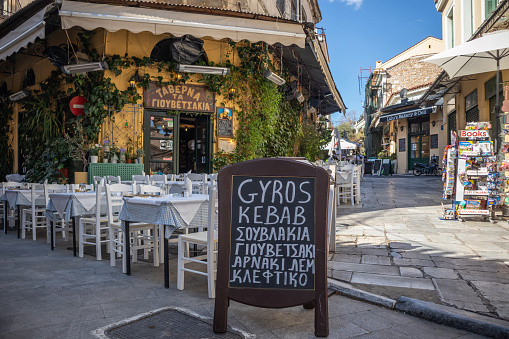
(140, 153)
(122, 155)
(94, 153)
(78, 152)
(114, 153)
(106, 150)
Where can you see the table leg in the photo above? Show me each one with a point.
(166, 263)
(127, 246)
(74, 235)
(18, 222)
(52, 231)
(6, 210)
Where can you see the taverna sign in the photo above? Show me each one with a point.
(192, 98)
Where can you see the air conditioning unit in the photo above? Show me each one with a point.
(456, 88)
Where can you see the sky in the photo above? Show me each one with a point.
(360, 32)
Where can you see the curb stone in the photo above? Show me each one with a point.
(439, 314)
(355, 293)
(460, 319)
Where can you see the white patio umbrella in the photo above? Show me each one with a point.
(485, 54)
(347, 144)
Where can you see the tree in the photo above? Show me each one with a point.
(346, 123)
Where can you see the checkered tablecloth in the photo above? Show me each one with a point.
(22, 198)
(73, 204)
(165, 211)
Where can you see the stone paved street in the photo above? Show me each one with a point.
(51, 294)
(394, 244)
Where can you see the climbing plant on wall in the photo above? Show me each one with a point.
(267, 124)
(5, 147)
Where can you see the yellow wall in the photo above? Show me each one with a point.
(402, 157)
(141, 45)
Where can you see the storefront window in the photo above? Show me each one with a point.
(161, 144)
(414, 147)
(471, 100)
(490, 90)
(425, 146)
(451, 125)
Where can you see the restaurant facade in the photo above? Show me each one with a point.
(164, 81)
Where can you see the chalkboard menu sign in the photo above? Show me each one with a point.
(433, 141)
(272, 246)
(377, 166)
(224, 122)
(386, 167)
(402, 144)
(272, 234)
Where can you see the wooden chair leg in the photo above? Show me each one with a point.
(180, 265)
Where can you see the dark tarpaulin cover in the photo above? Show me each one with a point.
(185, 50)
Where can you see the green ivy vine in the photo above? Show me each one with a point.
(6, 114)
(268, 125)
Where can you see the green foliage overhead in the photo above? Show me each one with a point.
(6, 112)
(268, 125)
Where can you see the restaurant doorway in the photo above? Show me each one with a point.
(194, 143)
(418, 140)
(177, 143)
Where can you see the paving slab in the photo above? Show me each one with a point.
(366, 268)
(410, 272)
(376, 260)
(443, 273)
(396, 281)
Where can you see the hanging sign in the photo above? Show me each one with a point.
(474, 133)
(77, 105)
(191, 98)
(273, 237)
(224, 122)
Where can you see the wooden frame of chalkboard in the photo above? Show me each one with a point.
(281, 204)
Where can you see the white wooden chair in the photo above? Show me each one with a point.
(148, 189)
(112, 179)
(33, 217)
(93, 230)
(11, 215)
(206, 238)
(349, 188)
(117, 237)
(199, 182)
(99, 180)
(140, 179)
(158, 179)
(59, 221)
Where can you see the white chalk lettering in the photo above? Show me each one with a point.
(276, 188)
(305, 192)
(252, 194)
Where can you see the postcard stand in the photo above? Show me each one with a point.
(477, 178)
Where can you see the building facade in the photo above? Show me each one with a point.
(469, 98)
(171, 80)
(398, 127)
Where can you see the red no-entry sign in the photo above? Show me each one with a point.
(77, 105)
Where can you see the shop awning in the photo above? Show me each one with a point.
(134, 19)
(409, 113)
(24, 34)
(317, 78)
